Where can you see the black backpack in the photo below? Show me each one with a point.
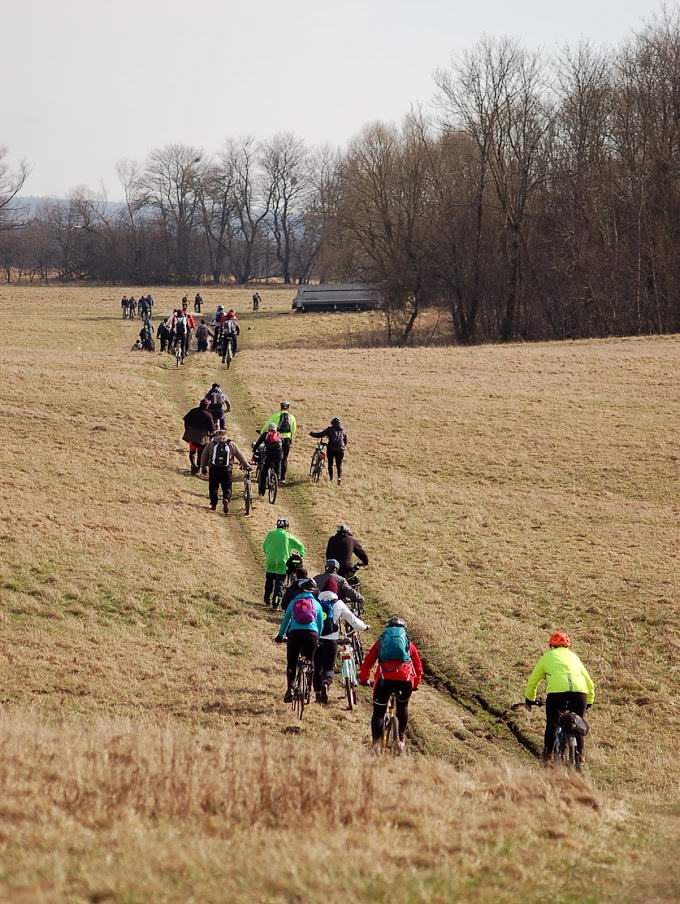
(180, 327)
(215, 400)
(221, 456)
(336, 437)
(284, 423)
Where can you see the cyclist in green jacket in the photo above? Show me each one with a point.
(287, 426)
(278, 546)
(568, 687)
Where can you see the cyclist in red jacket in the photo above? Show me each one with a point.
(399, 672)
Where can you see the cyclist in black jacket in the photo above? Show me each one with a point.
(337, 444)
(343, 546)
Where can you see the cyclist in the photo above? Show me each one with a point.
(342, 546)
(287, 426)
(216, 324)
(191, 326)
(299, 581)
(143, 308)
(146, 337)
(124, 306)
(331, 580)
(568, 687)
(334, 611)
(273, 455)
(230, 332)
(337, 445)
(164, 333)
(202, 335)
(218, 456)
(302, 623)
(256, 301)
(278, 546)
(132, 308)
(198, 301)
(198, 428)
(217, 403)
(398, 672)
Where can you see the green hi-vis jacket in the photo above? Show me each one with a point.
(276, 419)
(277, 546)
(563, 671)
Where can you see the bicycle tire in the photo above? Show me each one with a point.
(272, 486)
(391, 735)
(302, 699)
(349, 693)
(312, 466)
(357, 651)
(228, 356)
(248, 499)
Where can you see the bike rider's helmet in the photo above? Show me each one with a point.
(559, 639)
(308, 585)
(285, 406)
(220, 307)
(343, 530)
(282, 523)
(395, 621)
(332, 565)
(335, 422)
(231, 315)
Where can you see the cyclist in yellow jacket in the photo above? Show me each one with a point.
(568, 687)
(287, 426)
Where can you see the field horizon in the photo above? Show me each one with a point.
(501, 491)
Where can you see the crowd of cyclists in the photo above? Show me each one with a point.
(315, 609)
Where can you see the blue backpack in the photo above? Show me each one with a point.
(394, 645)
(329, 626)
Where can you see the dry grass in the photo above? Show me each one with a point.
(123, 597)
(270, 809)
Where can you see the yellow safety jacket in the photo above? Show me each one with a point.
(563, 671)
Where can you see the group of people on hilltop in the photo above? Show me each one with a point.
(142, 307)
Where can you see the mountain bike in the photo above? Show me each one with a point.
(352, 578)
(318, 461)
(228, 355)
(302, 686)
(348, 671)
(569, 726)
(179, 352)
(390, 738)
(247, 492)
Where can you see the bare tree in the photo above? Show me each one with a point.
(252, 201)
(287, 168)
(11, 182)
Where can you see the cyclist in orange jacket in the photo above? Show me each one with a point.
(399, 672)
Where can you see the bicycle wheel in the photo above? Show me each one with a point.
(228, 355)
(178, 355)
(272, 485)
(357, 651)
(302, 691)
(391, 735)
(248, 498)
(312, 466)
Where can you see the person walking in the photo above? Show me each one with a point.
(218, 457)
(198, 301)
(218, 403)
(286, 425)
(278, 546)
(198, 428)
(336, 435)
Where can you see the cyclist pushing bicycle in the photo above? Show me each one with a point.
(399, 672)
(278, 546)
(569, 687)
(270, 438)
(302, 623)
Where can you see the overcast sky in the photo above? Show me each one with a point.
(88, 82)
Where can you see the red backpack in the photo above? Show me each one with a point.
(272, 438)
(304, 610)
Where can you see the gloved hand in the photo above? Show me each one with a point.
(528, 703)
(278, 639)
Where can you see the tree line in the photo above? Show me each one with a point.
(537, 197)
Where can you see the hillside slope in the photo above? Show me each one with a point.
(146, 751)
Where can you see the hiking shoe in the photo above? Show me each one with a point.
(401, 746)
(225, 506)
(282, 481)
(323, 694)
(376, 747)
(213, 507)
(288, 697)
(339, 481)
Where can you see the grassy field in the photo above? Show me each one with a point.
(146, 754)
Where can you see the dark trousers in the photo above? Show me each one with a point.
(202, 345)
(324, 663)
(337, 457)
(218, 417)
(219, 477)
(556, 703)
(381, 697)
(195, 459)
(197, 307)
(271, 460)
(272, 584)
(300, 643)
(287, 443)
